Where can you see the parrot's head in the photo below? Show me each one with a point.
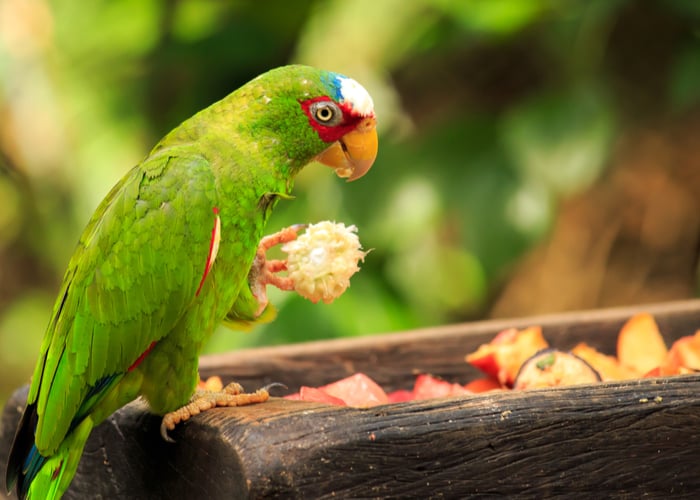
(344, 119)
(317, 115)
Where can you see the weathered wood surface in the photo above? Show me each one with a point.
(627, 439)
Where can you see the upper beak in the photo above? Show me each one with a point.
(354, 153)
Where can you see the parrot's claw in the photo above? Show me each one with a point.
(202, 400)
(263, 271)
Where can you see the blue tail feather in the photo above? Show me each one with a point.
(25, 461)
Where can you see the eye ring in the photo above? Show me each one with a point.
(326, 113)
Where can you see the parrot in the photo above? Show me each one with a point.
(170, 253)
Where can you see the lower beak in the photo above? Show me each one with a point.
(354, 153)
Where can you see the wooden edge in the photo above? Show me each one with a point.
(572, 319)
(539, 442)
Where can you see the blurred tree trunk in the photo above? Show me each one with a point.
(633, 238)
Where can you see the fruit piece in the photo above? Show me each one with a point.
(503, 356)
(427, 387)
(400, 396)
(321, 261)
(640, 345)
(319, 396)
(483, 385)
(552, 368)
(213, 384)
(608, 366)
(357, 390)
(485, 358)
(685, 352)
(667, 371)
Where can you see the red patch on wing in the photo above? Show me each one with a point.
(140, 359)
(57, 471)
(213, 248)
(332, 133)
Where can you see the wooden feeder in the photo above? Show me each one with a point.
(632, 439)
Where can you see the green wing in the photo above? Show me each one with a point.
(132, 277)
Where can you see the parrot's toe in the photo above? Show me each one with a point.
(264, 271)
(202, 400)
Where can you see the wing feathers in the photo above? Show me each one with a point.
(132, 277)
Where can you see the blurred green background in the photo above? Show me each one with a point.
(535, 155)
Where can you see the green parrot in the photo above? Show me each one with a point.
(168, 255)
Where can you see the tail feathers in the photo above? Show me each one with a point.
(32, 465)
(22, 451)
(57, 472)
(48, 477)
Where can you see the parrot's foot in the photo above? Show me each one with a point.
(264, 271)
(203, 400)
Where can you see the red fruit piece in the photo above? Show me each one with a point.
(503, 356)
(320, 396)
(685, 353)
(314, 395)
(483, 385)
(357, 390)
(427, 387)
(400, 396)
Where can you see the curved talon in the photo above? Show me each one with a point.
(272, 385)
(164, 432)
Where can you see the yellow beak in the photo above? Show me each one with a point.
(353, 155)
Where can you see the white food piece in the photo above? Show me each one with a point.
(321, 261)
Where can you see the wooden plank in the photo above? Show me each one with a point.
(507, 445)
(625, 439)
(637, 438)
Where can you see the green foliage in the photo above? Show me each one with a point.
(684, 86)
(491, 112)
(494, 17)
(560, 141)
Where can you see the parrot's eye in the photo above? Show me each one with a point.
(326, 113)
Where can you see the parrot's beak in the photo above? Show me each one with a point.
(353, 155)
